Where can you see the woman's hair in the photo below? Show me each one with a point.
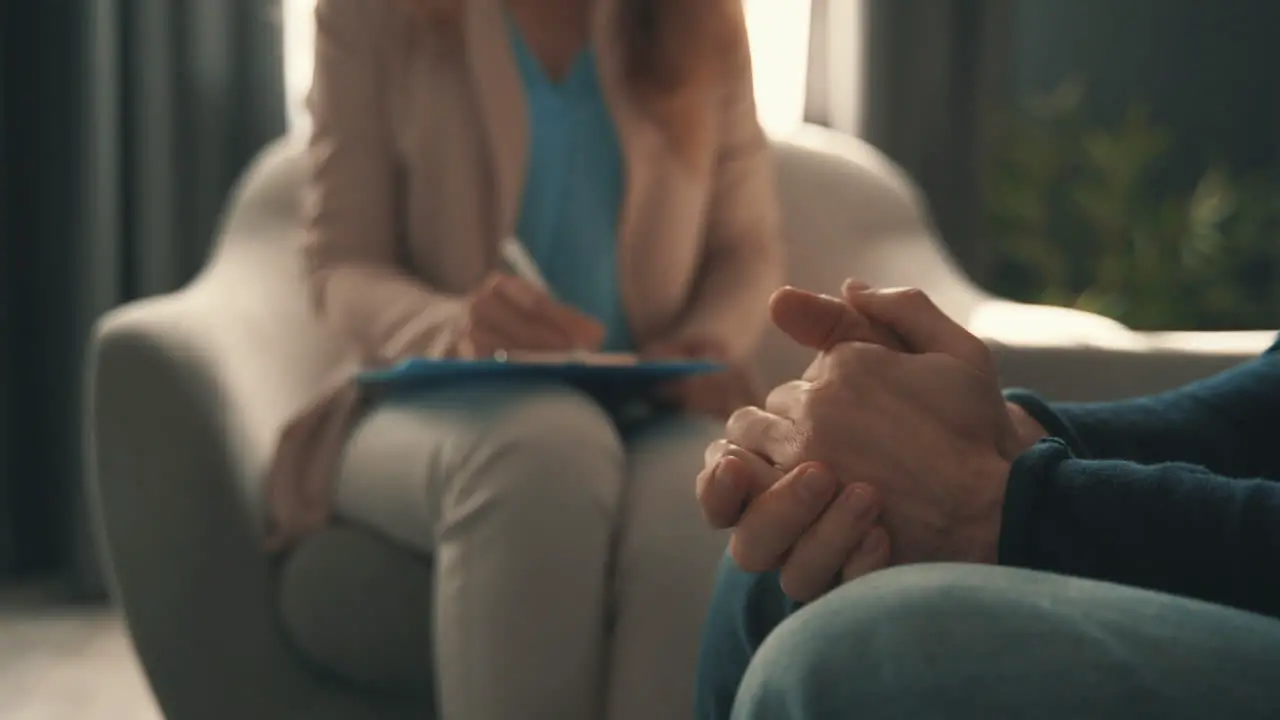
(675, 52)
(669, 44)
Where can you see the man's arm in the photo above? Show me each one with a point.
(1229, 423)
(1172, 527)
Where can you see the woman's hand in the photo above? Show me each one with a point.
(507, 313)
(715, 395)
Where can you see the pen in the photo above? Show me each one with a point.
(521, 263)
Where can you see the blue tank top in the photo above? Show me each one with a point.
(573, 191)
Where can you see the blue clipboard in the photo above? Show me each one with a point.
(422, 374)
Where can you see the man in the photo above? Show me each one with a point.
(1102, 560)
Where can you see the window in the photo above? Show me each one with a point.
(779, 32)
(298, 20)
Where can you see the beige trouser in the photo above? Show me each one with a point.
(572, 567)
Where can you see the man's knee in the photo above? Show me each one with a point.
(883, 646)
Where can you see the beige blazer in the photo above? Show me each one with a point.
(419, 150)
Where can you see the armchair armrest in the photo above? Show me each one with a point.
(1090, 374)
(181, 422)
(1069, 355)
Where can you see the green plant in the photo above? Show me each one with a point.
(1075, 220)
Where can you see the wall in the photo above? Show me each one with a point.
(8, 556)
(1210, 70)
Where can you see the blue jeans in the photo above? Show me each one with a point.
(968, 641)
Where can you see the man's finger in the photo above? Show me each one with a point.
(786, 399)
(722, 490)
(731, 480)
(769, 436)
(763, 475)
(872, 555)
(821, 321)
(814, 321)
(851, 286)
(912, 315)
(819, 556)
(777, 519)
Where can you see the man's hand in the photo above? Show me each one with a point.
(808, 526)
(929, 431)
(814, 539)
(715, 395)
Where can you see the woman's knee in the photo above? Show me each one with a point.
(545, 446)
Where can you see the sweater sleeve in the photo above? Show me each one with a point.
(1170, 527)
(1227, 423)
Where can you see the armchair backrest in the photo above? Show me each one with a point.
(848, 211)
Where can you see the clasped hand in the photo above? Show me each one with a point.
(894, 447)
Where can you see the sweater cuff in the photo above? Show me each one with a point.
(1027, 485)
(1053, 423)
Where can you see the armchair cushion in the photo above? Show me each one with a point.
(360, 606)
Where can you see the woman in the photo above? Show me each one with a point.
(617, 139)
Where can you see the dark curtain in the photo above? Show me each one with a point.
(934, 78)
(8, 539)
(126, 122)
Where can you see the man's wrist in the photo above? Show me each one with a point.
(982, 542)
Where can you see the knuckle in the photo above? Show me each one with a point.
(739, 421)
(714, 453)
(870, 494)
(981, 353)
(915, 297)
(781, 395)
(859, 360)
(872, 355)
(844, 353)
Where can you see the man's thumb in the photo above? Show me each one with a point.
(821, 321)
(923, 327)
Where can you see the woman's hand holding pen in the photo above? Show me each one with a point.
(509, 313)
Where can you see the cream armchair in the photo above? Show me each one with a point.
(188, 392)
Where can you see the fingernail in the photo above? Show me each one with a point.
(724, 476)
(814, 485)
(854, 286)
(858, 501)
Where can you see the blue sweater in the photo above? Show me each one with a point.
(1178, 492)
